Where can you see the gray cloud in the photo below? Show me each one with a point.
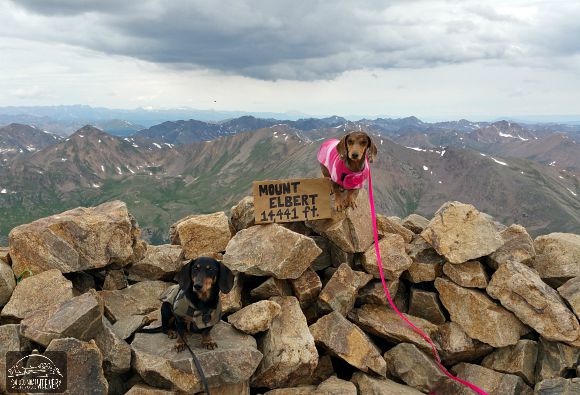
(307, 40)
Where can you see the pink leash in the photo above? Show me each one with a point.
(419, 331)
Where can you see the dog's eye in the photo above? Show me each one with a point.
(209, 268)
(350, 142)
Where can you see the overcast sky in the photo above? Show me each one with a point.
(433, 59)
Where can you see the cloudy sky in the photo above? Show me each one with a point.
(433, 59)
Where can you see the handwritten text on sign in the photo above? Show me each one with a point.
(296, 199)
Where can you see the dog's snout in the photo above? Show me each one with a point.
(355, 155)
(198, 287)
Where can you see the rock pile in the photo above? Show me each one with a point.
(307, 314)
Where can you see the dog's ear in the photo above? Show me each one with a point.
(226, 279)
(184, 276)
(342, 148)
(371, 150)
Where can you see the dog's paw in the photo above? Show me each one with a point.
(172, 334)
(209, 344)
(179, 346)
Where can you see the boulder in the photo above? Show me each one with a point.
(270, 250)
(307, 287)
(256, 317)
(36, 292)
(518, 246)
(115, 279)
(557, 257)
(232, 301)
(79, 317)
(415, 368)
(201, 235)
(288, 348)
(492, 382)
(242, 214)
(160, 365)
(323, 370)
(555, 360)
(323, 260)
(469, 274)
(570, 291)
(5, 256)
(137, 299)
(302, 390)
(335, 386)
(270, 288)
(383, 322)
(480, 316)
(348, 342)
(559, 386)
(7, 283)
(84, 365)
(461, 233)
(78, 239)
(340, 292)
(386, 225)
(520, 290)
(160, 263)
(350, 229)
(393, 256)
(519, 359)
(426, 264)
(338, 256)
(370, 385)
(10, 340)
(457, 346)
(116, 352)
(144, 389)
(415, 223)
(374, 293)
(425, 304)
(125, 326)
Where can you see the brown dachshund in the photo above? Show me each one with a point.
(346, 163)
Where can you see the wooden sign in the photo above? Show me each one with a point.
(296, 199)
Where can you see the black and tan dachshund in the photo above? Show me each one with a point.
(193, 305)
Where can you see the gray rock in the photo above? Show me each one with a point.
(160, 365)
(349, 230)
(159, 263)
(393, 256)
(520, 290)
(340, 292)
(77, 239)
(557, 257)
(7, 283)
(469, 274)
(335, 386)
(201, 235)
(232, 301)
(79, 317)
(425, 304)
(10, 340)
(494, 383)
(256, 317)
(384, 322)
(270, 250)
(270, 288)
(457, 346)
(36, 292)
(288, 348)
(115, 279)
(84, 366)
(124, 327)
(348, 342)
(116, 352)
(242, 214)
(323, 260)
(479, 316)
(374, 293)
(307, 287)
(426, 264)
(555, 359)
(571, 292)
(461, 233)
(559, 386)
(518, 246)
(370, 385)
(386, 225)
(415, 223)
(144, 389)
(519, 359)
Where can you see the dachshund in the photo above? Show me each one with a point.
(346, 163)
(194, 303)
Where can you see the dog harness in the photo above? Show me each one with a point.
(184, 309)
(339, 173)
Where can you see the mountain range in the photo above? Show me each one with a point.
(166, 172)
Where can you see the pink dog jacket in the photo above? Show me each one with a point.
(339, 173)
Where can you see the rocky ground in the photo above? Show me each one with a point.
(307, 314)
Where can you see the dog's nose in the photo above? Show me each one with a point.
(354, 155)
(198, 287)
